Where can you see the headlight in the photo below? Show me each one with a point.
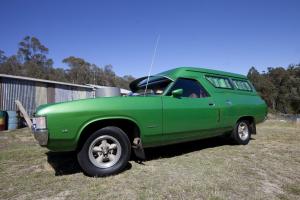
(39, 123)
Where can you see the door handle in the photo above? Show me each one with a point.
(211, 104)
(228, 102)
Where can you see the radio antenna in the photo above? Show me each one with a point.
(153, 58)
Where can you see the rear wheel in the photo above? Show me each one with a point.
(241, 134)
(105, 152)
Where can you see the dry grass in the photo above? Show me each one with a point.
(267, 168)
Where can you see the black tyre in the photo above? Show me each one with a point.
(105, 152)
(241, 133)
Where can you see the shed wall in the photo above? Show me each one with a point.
(33, 94)
(15, 89)
(41, 96)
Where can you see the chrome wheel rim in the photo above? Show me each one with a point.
(243, 131)
(105, 151)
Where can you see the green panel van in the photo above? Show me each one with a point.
(174, 106)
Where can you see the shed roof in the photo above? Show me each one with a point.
(43, 81)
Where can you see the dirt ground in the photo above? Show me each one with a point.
(267, 168)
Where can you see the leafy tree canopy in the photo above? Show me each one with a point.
(279, 87)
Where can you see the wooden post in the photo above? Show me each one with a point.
(24, 113)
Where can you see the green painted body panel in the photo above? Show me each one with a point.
(161, 119)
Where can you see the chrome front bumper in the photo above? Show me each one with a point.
(41, 135)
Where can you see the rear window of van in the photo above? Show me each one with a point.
(241, 85)
(219, 82)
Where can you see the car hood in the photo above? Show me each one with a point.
(90, 105)
(73, 105)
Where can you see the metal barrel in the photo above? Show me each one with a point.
(108, 92)
(2, 120)
(13, 120)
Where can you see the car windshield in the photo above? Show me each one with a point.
(156, 86)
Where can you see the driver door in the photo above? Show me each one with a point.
(193, 115)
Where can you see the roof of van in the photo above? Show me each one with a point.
(174, 73)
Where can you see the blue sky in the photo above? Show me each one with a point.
(225, 35)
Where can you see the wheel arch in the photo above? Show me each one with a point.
(128, 125)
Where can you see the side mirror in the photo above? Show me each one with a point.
(177, 93)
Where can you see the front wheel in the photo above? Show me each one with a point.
(241, 134)
(105, 152)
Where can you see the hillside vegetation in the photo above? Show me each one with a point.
(267, 168)
(278, 86)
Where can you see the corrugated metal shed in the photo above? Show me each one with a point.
(63, 93)
(34, 92)
(16, 89)
(41, 91)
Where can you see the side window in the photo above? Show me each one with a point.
(191, 88)
(219, 82)
(242, 85)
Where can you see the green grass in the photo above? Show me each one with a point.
(267, 168)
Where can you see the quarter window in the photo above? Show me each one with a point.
(241, 85)
(219, 82)
(191, 88)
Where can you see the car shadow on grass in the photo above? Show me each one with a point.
(63, 163)
(185, 148)
(66, 163)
